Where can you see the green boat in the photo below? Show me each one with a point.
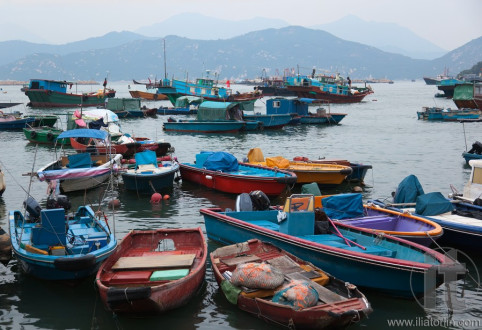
(44, 135)
(44, 120)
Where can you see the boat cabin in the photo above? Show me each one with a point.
(51, 85)
(473, 188)
(299, 106)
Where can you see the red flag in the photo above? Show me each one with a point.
(105, 82)
(228, 84)
(149, 80)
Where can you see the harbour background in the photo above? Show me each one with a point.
(383, 131)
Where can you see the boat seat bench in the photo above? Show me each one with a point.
(154, 262)
(265, 224)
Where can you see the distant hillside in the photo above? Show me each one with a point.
(241, 57)
(197, 26)
(18, 49)
(388, 37)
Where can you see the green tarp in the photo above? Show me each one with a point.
(464, 92)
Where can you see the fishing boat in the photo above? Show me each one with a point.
(323, 174)
(441, 114)
(358, 173)
(44, 135)
(212, 117)
(208, 89)
(459, 215)
(81, 171)
(349, 209)
(360, 256)
(148, 96)
(222, 171)
(12, 122)
(273, 121)
(468, 95)
(185, 105)
(474, 153)
(327, 88)
(129, 108)
(153, 271)
(299, 108)
(147, 174)
(44, 93)
(52, 245)
(325, 302)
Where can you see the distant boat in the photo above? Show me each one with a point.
(274, 86)
(153, 271)
(447, 86)
(129, 108)
(12, 122)
(441, 114)
(438, 79)
(326, 88)
(4, 105)
(148, 96)
(53, 93)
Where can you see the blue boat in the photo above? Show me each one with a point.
(299, 108)
(273, 121)
(441, 114)
(185, 105)
(460, 216)
(149, 175)
(213, 117)
(52, 245)
(360, 256)
(11, 122)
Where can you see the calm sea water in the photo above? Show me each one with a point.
(383, 130)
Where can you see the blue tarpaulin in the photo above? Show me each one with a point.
(146, 157)
(343, 206)
(221, 161)
(433, 203)
(84, 132)
(408, 190)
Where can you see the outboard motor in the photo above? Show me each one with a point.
(259, 200)
(476, 148)
(61, 201)
(33, 208)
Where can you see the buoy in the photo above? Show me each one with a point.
(156, 198)
(114, 203)
(166, 197)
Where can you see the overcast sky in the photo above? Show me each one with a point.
(447, 23)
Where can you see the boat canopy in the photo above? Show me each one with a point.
(185, 101)
(408, 190)
(433, 203)
(221, 161)
(95, 114)
(464, 92)
(84, 132)
(343, 206)
(211, 110)
(147, 157)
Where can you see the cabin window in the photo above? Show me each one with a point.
(276, 104)
(35, 85)
(477, 90)
(477, 175)
(166, 244)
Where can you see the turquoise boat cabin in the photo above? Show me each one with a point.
(51, 85)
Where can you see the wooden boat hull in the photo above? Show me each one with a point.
(314, 92)
(398, 277)
(339, 312)
(83, 261)
(204, 127)
(321, 174)
(148, 96)
(131, 291)
(272, 182)
(359, 171)
(150, 182)
(44, 135)
(43, 98)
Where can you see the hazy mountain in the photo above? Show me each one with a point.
(18, 49)
(241, 57)
(18, 32)
(197, 26)
(388, 37)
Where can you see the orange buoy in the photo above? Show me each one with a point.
(114, 203)
(156, 198)
(166, 197)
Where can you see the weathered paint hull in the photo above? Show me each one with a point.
(40, 98)
(314, 92)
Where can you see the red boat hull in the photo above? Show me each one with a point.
(131, 291)
(235, 184)
(314, 92)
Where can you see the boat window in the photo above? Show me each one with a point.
(276, 104)
(166, 244)
(35, 85)
(477, 175)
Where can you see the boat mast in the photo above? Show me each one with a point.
(165, 70)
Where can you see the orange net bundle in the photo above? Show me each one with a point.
(257, 276)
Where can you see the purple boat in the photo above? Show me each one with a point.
(349, 209)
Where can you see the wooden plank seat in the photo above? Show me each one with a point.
(161, 261)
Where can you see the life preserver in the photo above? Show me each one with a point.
(33, 134)
(50, 136)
